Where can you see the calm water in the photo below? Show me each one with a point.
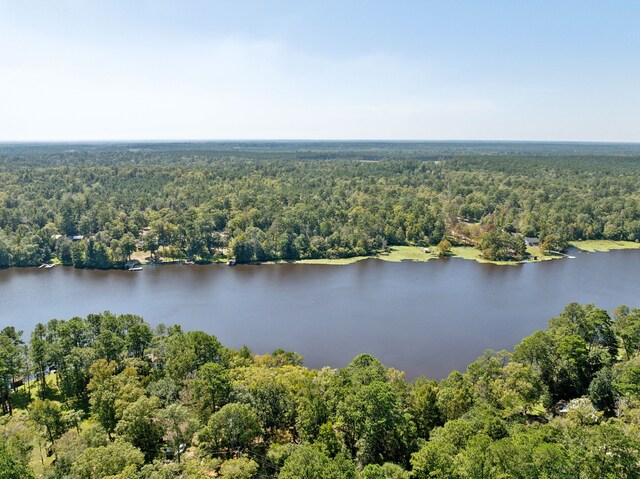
(424, 318)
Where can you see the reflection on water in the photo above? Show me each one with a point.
(424, 318)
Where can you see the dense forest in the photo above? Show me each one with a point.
(108, 397)
(97, 205)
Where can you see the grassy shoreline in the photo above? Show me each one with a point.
(594, 246)
(417, 254)
(397, 254)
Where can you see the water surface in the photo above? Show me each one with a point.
(424, 318)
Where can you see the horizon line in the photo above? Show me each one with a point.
(310, 140)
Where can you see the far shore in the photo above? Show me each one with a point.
(416, 254)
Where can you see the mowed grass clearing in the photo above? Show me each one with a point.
(417, 254)
(396, 254)
(408, 253)
(592, 246)
(471, 253)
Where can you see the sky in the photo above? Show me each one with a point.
(384, 70)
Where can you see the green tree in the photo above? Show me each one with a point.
(5, 254)
(602, 390)
(104, 394)
(519, 388)
(498, 245)
(387, 471)
(48, 415)
(138, 335)
(140, 426)
(64, 251)
(552, 461)
(164, 389)
(512, 456)
(104, 461)
(39, 352)
(552, 243)
(434, 460)
(186, 352)
(174, 419)
(373, 424)
(242, 249)
(79, 254)
(151, 243)
(11, 364)
(610, 452)
(128, 245)
(627, 328)
(471, 462)
(234, 427)
(98, 255)
(10, 466)
(273, 404)
(444, 248)
(454, 396)
(111, 393)
(211, 388)
(538, 352)
(309, 463)
(627, 378)
(240, 468)
(424, 406)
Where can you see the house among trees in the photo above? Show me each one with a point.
(532, 241)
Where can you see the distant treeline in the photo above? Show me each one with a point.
(301, 201)
(111, 398)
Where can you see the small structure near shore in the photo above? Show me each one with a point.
(16, 383)
(532, 241)
(133, 265)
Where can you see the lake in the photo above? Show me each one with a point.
(423, 318)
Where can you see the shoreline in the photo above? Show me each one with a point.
(414, 254)
(417, 255)
(603, 246)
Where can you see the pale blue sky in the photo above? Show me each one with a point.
(484, 70)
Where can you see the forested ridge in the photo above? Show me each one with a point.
(108, 397)
(290, 201)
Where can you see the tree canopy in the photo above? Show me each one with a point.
(564, 403)
(97, 207)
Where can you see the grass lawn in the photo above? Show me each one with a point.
(416, 253)
(536, 251)
(471, 253)
(22, 398)
(397, 254)
(338, 261)
(140, 256)
(592, 246)
(407, 253)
